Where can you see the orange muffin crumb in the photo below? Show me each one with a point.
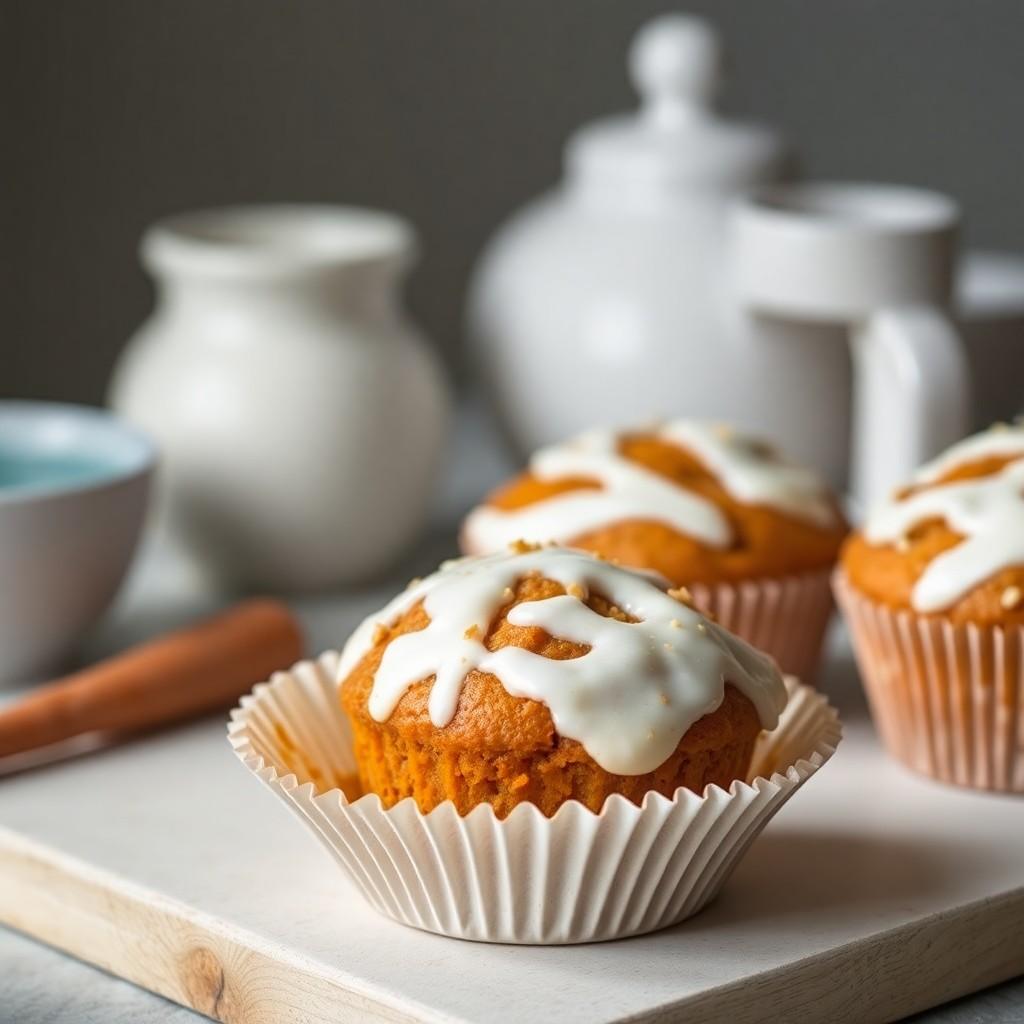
(887, 573)
(505, 750)
(766, 542)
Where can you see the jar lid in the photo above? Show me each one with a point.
(676, 137)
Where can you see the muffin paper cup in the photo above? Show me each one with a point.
(575, 877)
(948, 700)
(785, 617)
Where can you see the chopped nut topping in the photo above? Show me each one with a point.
(761, 450)
(675, 624)
(701, 628)
(472, 632)
(681, 594)
(1011, 598)
(508, 593)
(414, 582)
(522, 547)
(575, 590)
(380, 633)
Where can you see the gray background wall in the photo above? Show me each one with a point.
(452, 111)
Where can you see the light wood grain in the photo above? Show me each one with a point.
(168, 948)
(882, 979)
(230, 976)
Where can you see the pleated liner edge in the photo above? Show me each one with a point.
(574, 877)
(948, 700)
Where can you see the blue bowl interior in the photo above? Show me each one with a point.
(49, 449)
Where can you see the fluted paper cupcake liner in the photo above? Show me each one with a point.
(785, 617)
(948, 700)
(575, 877)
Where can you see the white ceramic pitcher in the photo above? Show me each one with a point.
(880, 260)
(300, 416)
(629, 292)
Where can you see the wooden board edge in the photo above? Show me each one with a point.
(883, 978)
(166, 947)
(231, 976)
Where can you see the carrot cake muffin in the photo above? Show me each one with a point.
(933, 590)
(544, 675)
(753, 536)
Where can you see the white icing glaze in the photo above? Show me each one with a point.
(631, 491)
(628, 700)
(987, 511)
(1000, 440)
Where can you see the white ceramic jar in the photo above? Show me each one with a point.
(619, 279)
(299, 414)
(625, 295)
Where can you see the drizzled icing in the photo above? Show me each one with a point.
(1001, 441)
(631, 491)
(628, 700)
(987, 511)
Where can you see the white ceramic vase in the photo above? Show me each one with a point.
(618, 279)
(820, 316)
(300, 415)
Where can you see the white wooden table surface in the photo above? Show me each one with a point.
(38, 984)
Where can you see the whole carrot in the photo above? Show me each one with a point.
(194, 670)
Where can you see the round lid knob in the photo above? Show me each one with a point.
(675, 62)
(676, 138)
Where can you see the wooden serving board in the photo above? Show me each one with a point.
(872, 895)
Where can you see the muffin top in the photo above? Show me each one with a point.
(952, 541)
(505, 651)
(697, 502)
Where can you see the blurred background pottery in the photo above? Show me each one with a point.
(300, 415)
(988, 304)
(623, 280)
(879, 259)
(618, 278)
(74, 484)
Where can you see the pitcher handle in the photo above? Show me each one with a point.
(911, 395)
(880, 259)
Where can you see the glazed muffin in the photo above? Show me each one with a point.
(544, 675)
(752, 536)
(933, 590)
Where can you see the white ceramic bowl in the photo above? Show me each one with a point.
(74, 483)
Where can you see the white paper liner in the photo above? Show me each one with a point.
(948, 700)
(785, 617)
(574, 877)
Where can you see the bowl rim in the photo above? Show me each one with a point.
(138, 463)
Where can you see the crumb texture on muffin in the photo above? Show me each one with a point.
(544, 675)
(697, 502)
(952, 541)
